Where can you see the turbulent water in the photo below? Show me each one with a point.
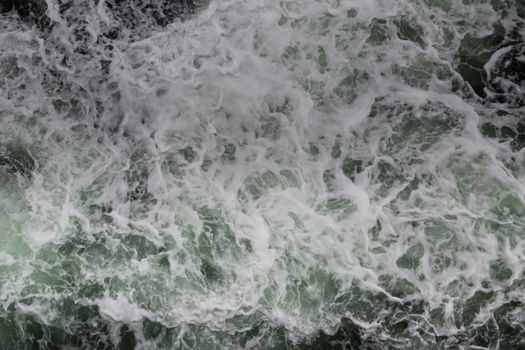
(262, 174)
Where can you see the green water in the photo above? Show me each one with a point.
(264, 175)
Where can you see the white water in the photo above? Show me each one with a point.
(200, 183)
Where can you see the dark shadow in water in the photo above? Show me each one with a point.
(16, 159)
(506, 79)
(129, 14)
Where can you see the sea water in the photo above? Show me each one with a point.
(263, 174)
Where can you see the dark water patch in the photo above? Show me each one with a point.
(137, 178)
(379, 32)
(14, 158)
(493, 64)
(511, 330)
(514, 134)
(347, 336)
(130, 14)
(408, 28)
(474, 52)
(127, 339)
(507, 76)
(139, 13)
(20, 332)
(33, 10)
(352, 167)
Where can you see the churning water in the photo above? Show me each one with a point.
(262, 174)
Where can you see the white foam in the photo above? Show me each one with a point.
(284, 221)
(120, 309)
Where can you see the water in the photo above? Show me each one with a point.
(317, 174)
